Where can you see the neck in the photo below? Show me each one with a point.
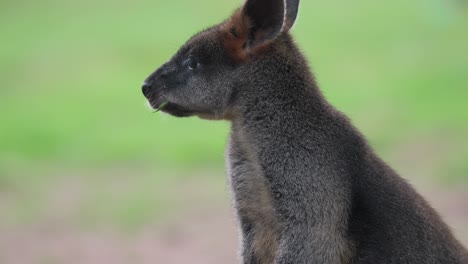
(284, 96)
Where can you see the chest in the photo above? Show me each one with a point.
(250, 189)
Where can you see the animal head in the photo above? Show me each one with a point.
(206, 75)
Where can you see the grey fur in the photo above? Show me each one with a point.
(307, 188)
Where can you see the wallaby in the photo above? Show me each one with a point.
(307, 188)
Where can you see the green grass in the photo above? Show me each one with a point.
(70, 98)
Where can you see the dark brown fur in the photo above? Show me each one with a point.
(307, 187)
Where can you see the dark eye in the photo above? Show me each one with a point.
(191, 63)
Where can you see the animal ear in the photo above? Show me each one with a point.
(258, 23)
(265, 19)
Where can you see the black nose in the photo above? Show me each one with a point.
(145, 88)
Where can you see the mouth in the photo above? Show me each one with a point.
(161, 107)
(157, 103)
(169, 108)
(160, 104)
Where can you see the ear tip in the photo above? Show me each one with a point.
(292, 9)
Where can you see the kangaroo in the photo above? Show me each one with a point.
(306, 186)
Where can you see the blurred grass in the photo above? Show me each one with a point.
(72, 76)
(71, 71)
(119, 198)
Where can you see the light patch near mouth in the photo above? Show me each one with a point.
(149, 105)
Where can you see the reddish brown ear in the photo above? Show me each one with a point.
(257, 24)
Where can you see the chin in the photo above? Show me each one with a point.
(177, 111)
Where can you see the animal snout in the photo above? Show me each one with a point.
(157, 76)
(146, 88)
(163, 71)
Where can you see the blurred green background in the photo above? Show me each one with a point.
(81, 151)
